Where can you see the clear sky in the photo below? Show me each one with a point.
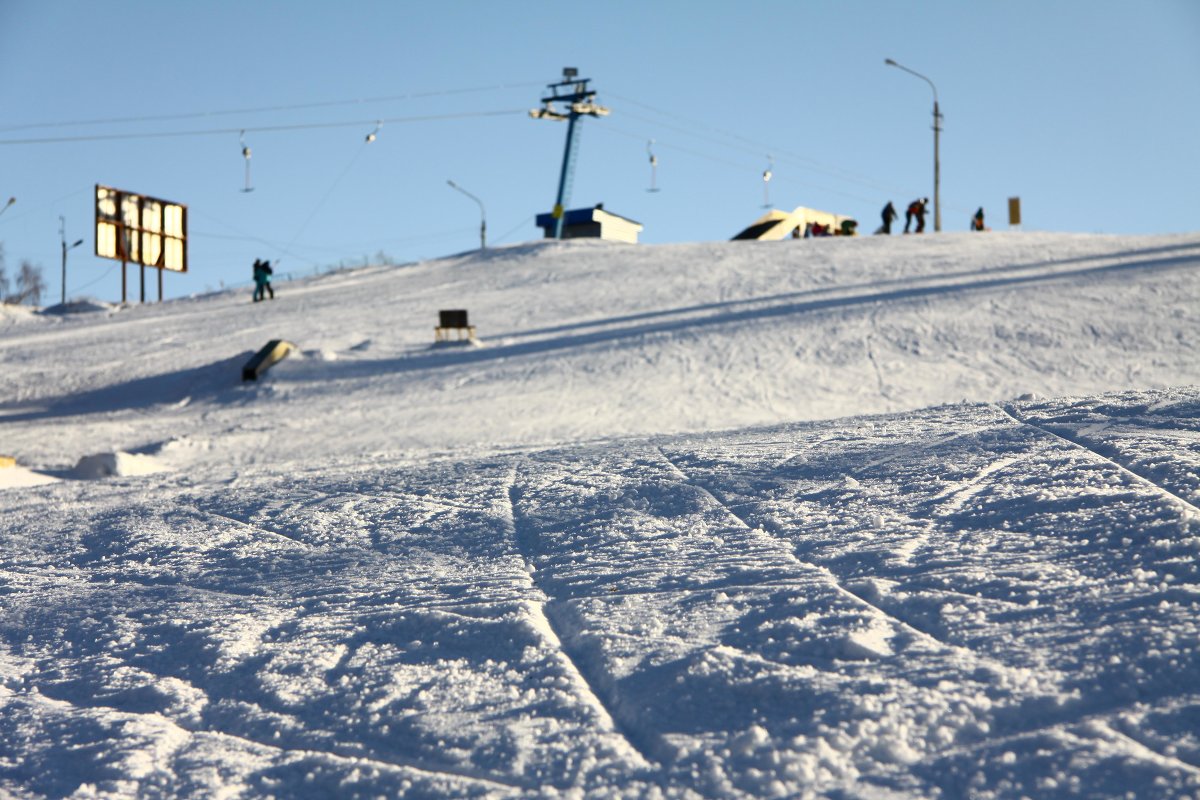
(1088, 110)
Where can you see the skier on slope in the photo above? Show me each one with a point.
(889, 215)
(262, 280)
(916, 211)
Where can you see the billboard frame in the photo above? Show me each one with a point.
(138, 228)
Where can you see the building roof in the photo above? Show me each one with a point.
(582, 216)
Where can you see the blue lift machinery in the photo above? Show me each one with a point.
(569, 100)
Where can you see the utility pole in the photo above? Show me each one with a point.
(482, 214)
(937, 130)
(579, 102)
(62, 236)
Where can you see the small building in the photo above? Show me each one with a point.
(592, 223)
(776, 224)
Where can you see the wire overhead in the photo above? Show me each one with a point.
(267, 109)
(262, 128)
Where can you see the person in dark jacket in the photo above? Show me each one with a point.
(889, 215)
(977, 221)
(916, 211)
(262, 280)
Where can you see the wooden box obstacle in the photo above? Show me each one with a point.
(453, 320)
(271, 353)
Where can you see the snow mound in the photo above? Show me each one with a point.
(873, 642)
(15, 477)
(118, 464)
(83, 306)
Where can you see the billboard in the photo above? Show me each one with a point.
(134, 228)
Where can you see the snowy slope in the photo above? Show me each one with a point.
(587, 340)
(561, 563)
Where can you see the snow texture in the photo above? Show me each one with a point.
(853, 518)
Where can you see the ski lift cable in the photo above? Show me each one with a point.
(358, 152)
(107, 272)
(268, 109)
(749, 145)
(786, 158)
(740, 166)
(265, 128)
(246, 236)
(514, 229)
(692, 123)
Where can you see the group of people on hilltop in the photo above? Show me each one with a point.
(916, 212)
(847, 227)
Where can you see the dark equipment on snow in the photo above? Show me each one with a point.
(453, 320)
(272, 352)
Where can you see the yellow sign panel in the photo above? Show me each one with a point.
(143, 230)
(558, 211)
(1014, 211)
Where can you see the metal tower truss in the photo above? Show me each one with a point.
(569, 100)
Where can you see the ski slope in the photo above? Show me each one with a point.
(901, 518)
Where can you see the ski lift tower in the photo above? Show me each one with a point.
(577, 101)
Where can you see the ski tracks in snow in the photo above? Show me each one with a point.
(831, 578)
(1188, 508)
(555, 630)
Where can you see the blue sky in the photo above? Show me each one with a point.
(1086, 110)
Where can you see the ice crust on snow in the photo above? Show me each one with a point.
(700, 521)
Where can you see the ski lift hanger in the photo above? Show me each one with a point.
(653, 166)
(246, 156)
(768, 173)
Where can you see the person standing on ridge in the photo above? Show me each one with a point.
(910, 213)
(889, 215)
(262, 280)
(977, 221)
(919, 212)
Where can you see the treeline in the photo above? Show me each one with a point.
(28, 286)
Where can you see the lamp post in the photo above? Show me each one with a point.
(482, 214)
(62, 236)
(937, 129)
(11, 200)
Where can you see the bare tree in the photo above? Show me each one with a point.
(30, 284)
(3, 276)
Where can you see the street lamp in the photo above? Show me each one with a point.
(937, 129)
(11, 200)
(62, 235)
(482, 214)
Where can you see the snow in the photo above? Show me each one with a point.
(900, 517)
